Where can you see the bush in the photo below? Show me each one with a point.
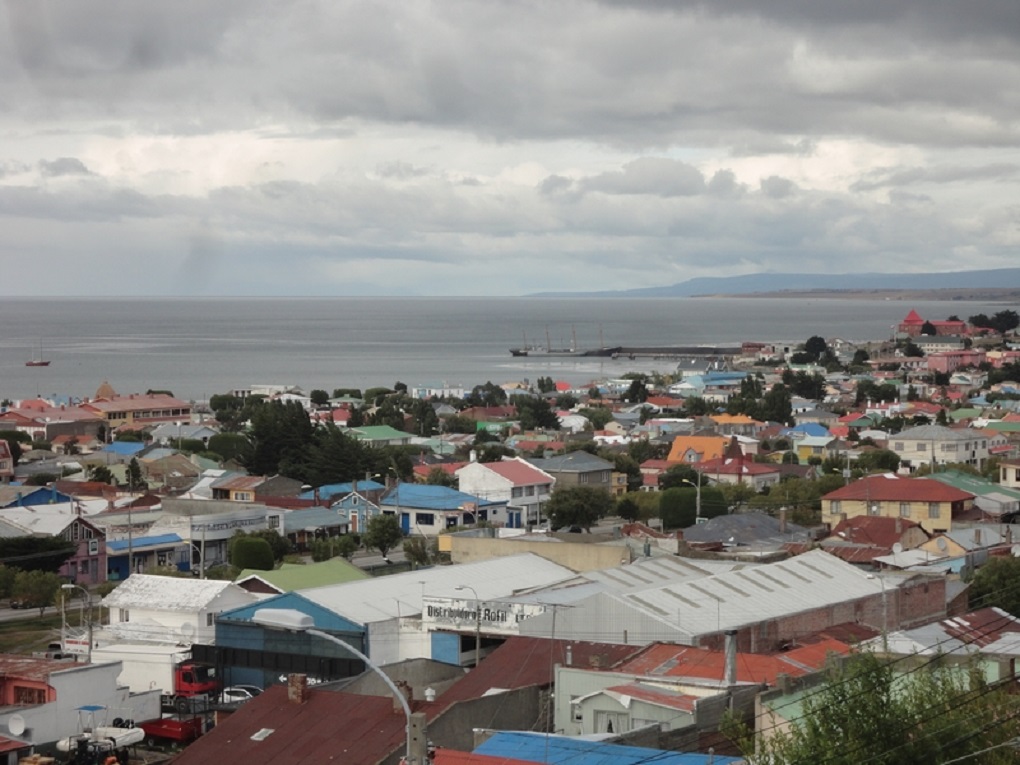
(252, 552)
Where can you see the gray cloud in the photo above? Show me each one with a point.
(62, 166)
(650, 175)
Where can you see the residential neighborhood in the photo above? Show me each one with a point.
(656, 567)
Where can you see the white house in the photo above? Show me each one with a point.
(514, 481)
(166, 609)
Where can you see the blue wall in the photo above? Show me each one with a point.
(446, 647)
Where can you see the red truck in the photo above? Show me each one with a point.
(172, 730)
(169, 668)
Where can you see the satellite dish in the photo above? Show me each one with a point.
(941, 544)
(897, 548)
(187, 630)
(16, 725)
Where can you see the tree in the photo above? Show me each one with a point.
(677, 476)
(7, 576)
(278, 543)
(227, 446)
(346, 546)
(628, 509)
(278, 438)
(816, 347)
(878, 459)
(383, 533)
(777, 405)
(928, 329)
(678, 507)
(535, 413)
(252, 552)
(994, 584)
(100, 474)
(134, 476)
(637, 393)
(37, 589)
(319, 397)
(598, 416)
(418, 551)
(439, 477)
(578, 506)
(870, 710)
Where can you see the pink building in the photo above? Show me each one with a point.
(949, 361)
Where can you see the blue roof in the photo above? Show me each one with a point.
(39, 495)
(335, 489)
(427, 497)
(552, 749)
(121, 545)
(124, 448)
(809, 428)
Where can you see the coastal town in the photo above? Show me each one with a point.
(718, 563)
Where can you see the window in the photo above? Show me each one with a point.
(933, 509)
(874, 508)
(274, 521)
(575, 709)
(921, 447)
(516, 492)
(898, 446)
(124, 614)
(835, 507)
(425, 519)
(529, 491)
(210, 619)
(904, 509)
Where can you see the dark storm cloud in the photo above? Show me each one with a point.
(63, 166)
(650, 175)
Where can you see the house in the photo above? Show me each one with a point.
(863, 538)
(578, 468)
(87, 564)
(424, 509)
(170, 469)
(168, 434)
(912, 326)
(689, 450)
(514, 481)
(41, 698)
(356, 509)
(994, 501)
(302, 526)
(736, 425)
(734, 467)
(929, 503)
(378, 436)
(939, 445)
(137, 409)
(254, 488)
(135, 554)
(164, 609)
(753, 532)
(6, 463)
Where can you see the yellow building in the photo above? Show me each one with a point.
(927, 502)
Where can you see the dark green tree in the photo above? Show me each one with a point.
(637, 393)
(598, 416)
(100, 474)
(534, 413)
(816, 347)
(678, 475)
(227, 446)
(628, 509)
(383, 533)
(279, 437)
(878, 459)
(578, 506)
(439, 477)
(995, 585)
(928, 329)
(678, 507)
(319, 397)
(134, 476)
(38, 588)
(252, 552)
(873, 711)
(777, 405)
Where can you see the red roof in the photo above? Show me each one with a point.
(659, 696)
(666, 660)
(887, 487)
(519, 473)
(453, 757)
(875, 530)
(303, 734)
(981, 627)
(912, 318)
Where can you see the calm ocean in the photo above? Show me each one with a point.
(200, 347)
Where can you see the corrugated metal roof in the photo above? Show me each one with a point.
(138, 543)
(390, 597)
(754, 594)
(429, 497)
(565, 750)
(166, 593)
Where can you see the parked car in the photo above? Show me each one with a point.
(237, 694)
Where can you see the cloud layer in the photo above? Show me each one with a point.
(485, 147)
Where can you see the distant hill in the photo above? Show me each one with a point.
(772, 282)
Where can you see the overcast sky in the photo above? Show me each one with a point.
(461, 147)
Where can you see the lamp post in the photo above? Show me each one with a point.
(88, 600)
(296, 621)
(885, 614)
(478, 621)
(201, 559)
(697, 498)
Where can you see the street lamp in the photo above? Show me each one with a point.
(697, 499)
(478, 621)
(88, 600)
(201, 559)
(416, 749)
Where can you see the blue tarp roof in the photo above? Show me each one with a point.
(162, 540)
(428, 497)
(124, 448)
(335, 489)
(551, 749)
(809, 428)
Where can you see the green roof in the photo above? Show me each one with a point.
(964, 414)
(379, 433)
(295, 576)
(974, 484)
(1003, 427)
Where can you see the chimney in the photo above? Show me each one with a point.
(405, 689)
(297, 689)
(730, 676)
(977, 536)
(782, 520)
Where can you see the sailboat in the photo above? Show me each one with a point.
(37, 360)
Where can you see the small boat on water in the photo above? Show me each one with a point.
(37, 360)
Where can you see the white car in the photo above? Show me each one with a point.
(236, 694)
